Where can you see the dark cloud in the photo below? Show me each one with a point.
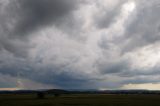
(42, 32)
(17, 47)
(114, 67)
(38, 13)
(6, 78)
(144, 72)
(67, 80)
(19, 18)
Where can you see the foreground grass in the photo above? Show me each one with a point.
(80, 100)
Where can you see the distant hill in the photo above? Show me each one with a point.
(53, 91)
(61, 91)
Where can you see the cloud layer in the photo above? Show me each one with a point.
(99, 44)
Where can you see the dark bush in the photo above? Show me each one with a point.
(56, 95)
(40, 95)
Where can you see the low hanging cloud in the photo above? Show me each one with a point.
(72, 44)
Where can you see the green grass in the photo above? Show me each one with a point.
(80, 100)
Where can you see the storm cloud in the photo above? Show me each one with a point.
(19, 18)
(72, 44)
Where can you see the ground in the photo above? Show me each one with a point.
(80, 100)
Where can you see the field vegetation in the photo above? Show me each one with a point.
(80, 100)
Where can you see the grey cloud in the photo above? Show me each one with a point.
(7, 81)
(26, 15)
(107, 16)
(16, 47)
(114, 67)
(19, 18)
(145, 72)
(53, 57)
(38, 13)
(141, 80)
(144, 29)
(67, 81)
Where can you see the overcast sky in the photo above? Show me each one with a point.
(80, 44)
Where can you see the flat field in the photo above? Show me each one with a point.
(80, 100)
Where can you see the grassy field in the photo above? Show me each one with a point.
(80, 100)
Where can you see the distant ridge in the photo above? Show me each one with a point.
(61, 91)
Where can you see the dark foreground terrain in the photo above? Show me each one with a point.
(80, 100)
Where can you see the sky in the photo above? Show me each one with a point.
(79, 44)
